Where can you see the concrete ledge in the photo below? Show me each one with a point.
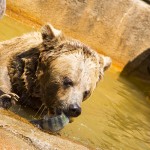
(17, 133)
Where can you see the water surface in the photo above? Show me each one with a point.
(115, 117)
(10, 28)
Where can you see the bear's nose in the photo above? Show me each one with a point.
(74, 110)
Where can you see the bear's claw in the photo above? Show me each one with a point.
(7, 100)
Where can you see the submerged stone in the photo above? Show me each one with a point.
(52, 124)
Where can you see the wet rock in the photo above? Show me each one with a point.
(2, 7)
(17, 133)
(138, 71)
(8, 141)
(52, 123)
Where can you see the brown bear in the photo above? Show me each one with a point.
(48, 69)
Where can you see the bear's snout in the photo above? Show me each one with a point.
(74, 110)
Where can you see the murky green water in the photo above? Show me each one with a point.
(116, 117)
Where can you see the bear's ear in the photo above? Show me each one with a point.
(106, 62)
(49, 31)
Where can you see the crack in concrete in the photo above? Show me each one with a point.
(24, 138)
(124, 16)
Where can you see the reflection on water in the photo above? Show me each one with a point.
(116, 117)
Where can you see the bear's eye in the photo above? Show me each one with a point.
(86, 94)
(67, 82)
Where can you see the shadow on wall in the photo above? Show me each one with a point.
(138, 71)
(147, 1)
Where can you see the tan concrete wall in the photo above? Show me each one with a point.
(118, 28)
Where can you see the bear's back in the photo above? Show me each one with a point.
(19, 44)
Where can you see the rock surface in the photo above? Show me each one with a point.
(138, 71)
(16, 133)
(118, 28)
(2, 7)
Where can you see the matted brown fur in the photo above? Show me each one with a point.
(46, 68)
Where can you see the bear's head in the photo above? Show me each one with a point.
(68, 72)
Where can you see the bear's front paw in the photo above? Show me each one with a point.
(7, 100)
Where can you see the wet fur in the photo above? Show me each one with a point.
(29, 64)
